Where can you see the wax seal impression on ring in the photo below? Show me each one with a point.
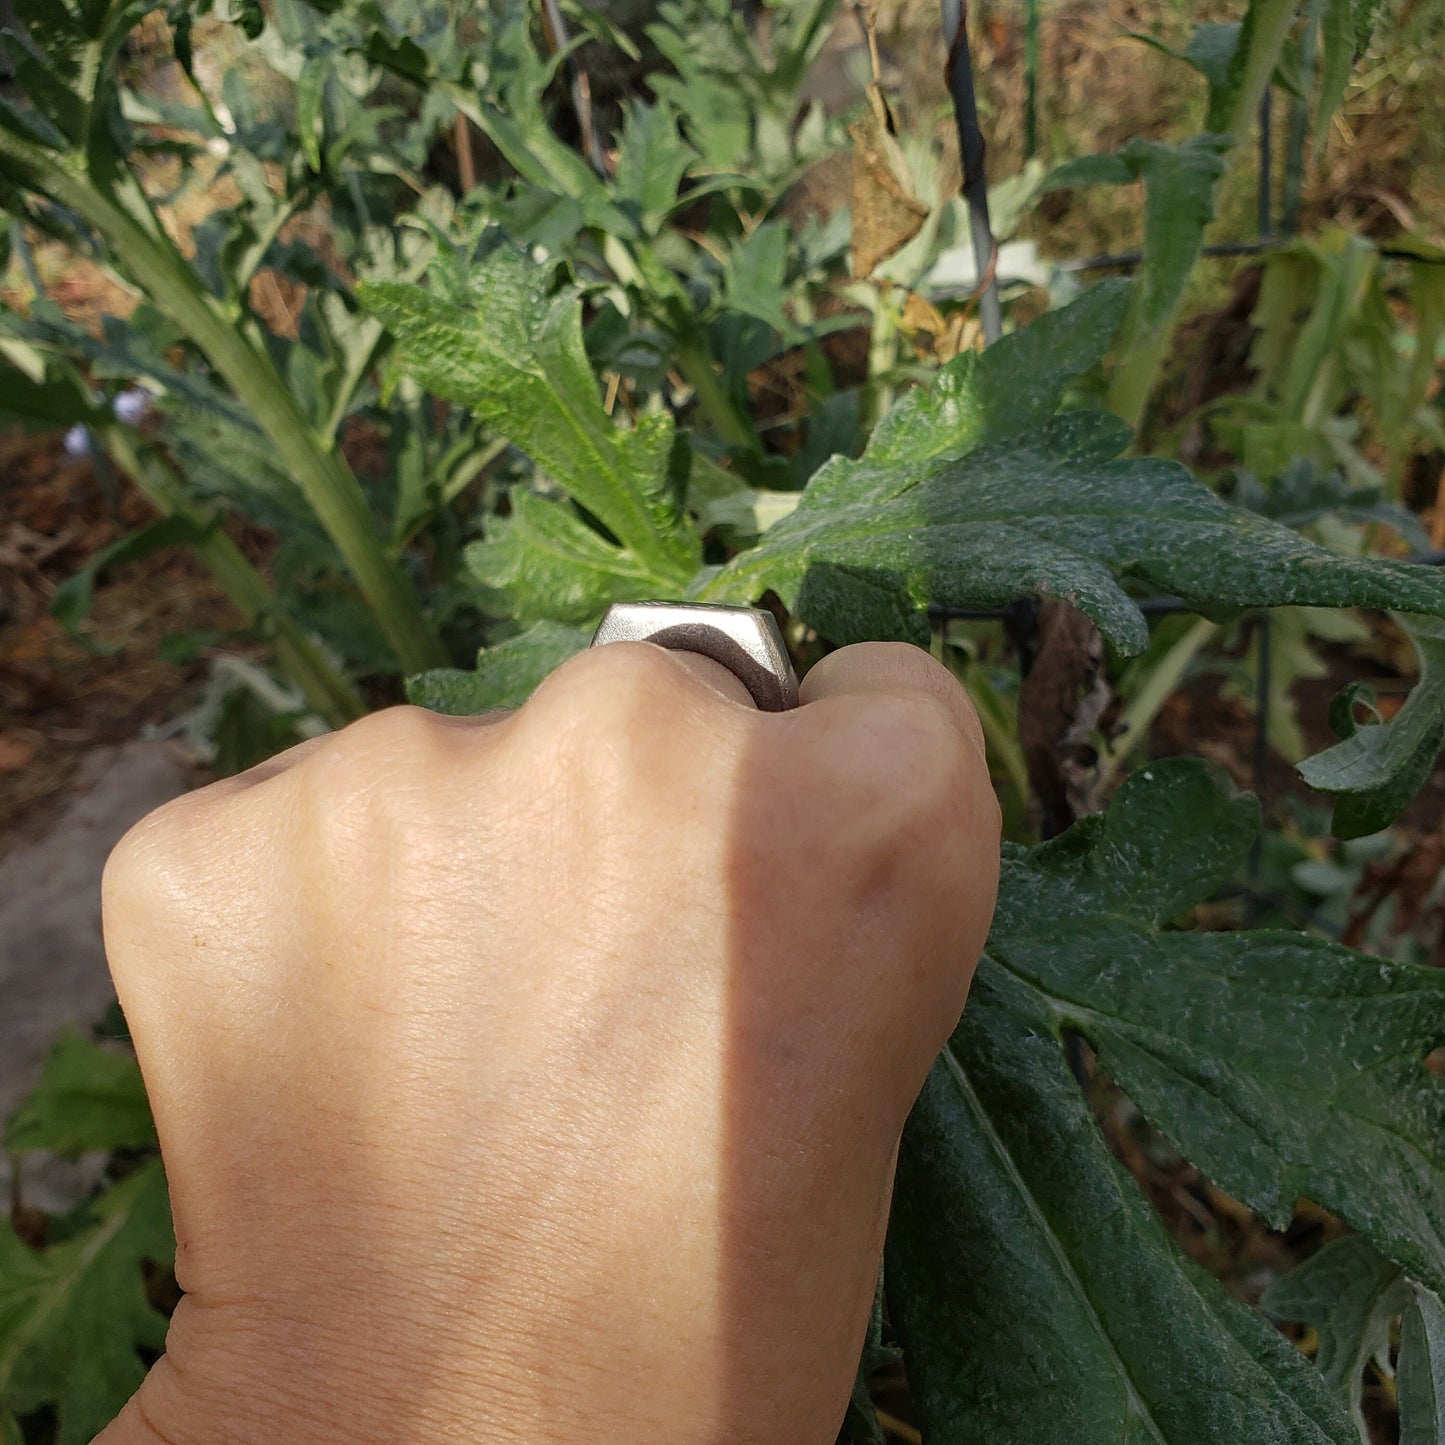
(745, 640)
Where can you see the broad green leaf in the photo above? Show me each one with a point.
(1351, 1294)
(1420, 1372)
(74, 1317)
(491, 338)
(88, 1097)
(1280, 1064)
(1005, 391)
(1038, 1297)
(1037, 1294)
(544, 561)
(505, 675)
(1378, 769)
(968, 497)
(41, 393)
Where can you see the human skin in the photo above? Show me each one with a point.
(540, 1076)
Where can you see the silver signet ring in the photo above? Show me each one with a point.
(745, 640)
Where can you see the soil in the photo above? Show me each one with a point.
(62, 696)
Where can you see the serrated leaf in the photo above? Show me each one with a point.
(490, 337)
(1280, 1064)
(1351, 1294)
(505, 675)
(968, 497)
(1420, 1372)
(74, 1317)
(1377, 770)
(544, 561)
(1038, 1297)
(652, 159)
(1178, 205)
(88, 1098)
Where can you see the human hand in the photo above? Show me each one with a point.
(540, 1076)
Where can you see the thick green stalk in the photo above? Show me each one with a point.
(303, 663)
(326, 482)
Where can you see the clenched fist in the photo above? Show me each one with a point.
(539, 1076)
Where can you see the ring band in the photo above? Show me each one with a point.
(745, 640)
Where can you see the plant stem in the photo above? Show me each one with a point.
(327, 483)
(695, 362)
(300, 659)
(877, 394)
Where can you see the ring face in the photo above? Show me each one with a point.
(745, 640)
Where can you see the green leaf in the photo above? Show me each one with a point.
(1038, 1296)
(88, 1097)
(74, 1317)
(490, 337)
(1178, 205)
(1210, 51)
(544, 561)
(969, 497)
(1351, 1294)
(1375, 772)
(1280, 1064)
(1303, 493)
(1337, 59)
(652, 159)
(1261, 40)
(505, 675)
(1179, 182)
(71, 602)
(42, 393)
(1420, 1371)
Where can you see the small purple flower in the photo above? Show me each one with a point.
(131, 405)
(77, 441)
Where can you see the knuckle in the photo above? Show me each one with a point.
(611, 694)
